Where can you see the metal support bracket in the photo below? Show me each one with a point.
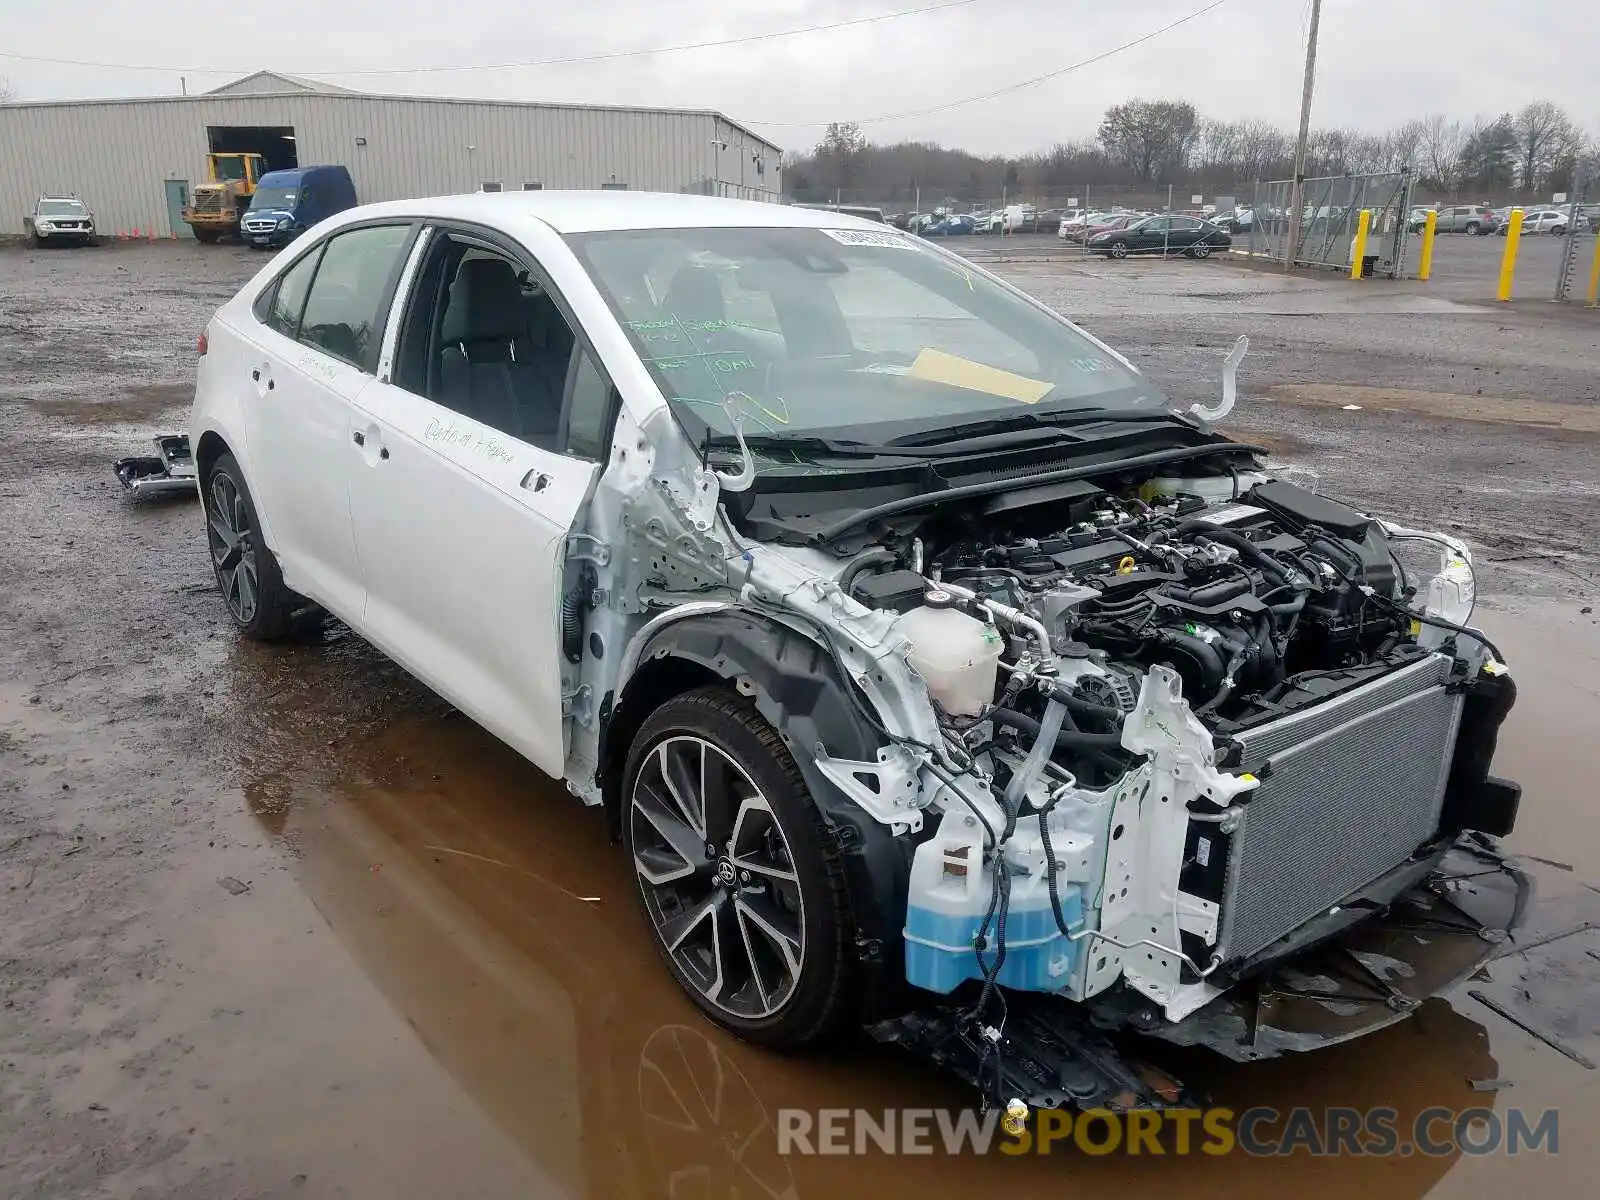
(587, 547)
(579, 704)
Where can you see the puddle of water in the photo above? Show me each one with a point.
(492, 914)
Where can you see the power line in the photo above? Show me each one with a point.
(1010, 87)
(603, 56)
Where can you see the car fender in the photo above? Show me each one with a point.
(800, 690)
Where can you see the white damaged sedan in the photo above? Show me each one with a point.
(936, 674)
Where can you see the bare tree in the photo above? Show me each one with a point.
(1153, 138)
(1443, 139)
(1543, 134)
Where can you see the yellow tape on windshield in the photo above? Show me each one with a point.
(936, 366)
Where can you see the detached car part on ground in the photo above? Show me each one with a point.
(936, 675)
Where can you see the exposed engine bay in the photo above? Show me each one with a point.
(1186, 721)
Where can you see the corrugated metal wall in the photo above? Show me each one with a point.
(116, 154)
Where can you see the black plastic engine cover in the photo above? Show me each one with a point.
(1300, 507)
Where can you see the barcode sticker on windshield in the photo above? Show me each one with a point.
(870, 237)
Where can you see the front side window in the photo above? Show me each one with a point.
(840, 333)
(589, 410)
(344, 314)
(485, 339)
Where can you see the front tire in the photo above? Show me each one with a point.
(248, 577)
(738, 876)
(1118, 250)
(1200, 251)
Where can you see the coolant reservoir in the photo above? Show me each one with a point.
(957, 656)
(1450, 597)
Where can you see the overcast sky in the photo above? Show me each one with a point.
(1379, 61)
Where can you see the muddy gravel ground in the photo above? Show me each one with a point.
(277, 922)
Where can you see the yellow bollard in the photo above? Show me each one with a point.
(1430, 230)
(1508, 264)
(1594, 275)
(1358, 250)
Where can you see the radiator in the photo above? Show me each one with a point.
(1354, 788)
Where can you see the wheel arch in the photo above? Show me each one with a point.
(798, 687)
(207, 450)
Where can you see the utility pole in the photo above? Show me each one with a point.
(1297, 186)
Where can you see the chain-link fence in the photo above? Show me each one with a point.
(1322, 233)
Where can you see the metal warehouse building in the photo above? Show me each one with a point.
(134, 161)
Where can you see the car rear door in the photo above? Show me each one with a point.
(1184, 232)
(462, 526)
(309, 352)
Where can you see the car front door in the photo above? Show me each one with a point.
(462, 502)
(309, 353)
(1151, 235)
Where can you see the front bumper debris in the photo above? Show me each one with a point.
(1443, 923)
(171, 469)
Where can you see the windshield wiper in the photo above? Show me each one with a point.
(801, 444)
(1030, 422)
(974, 437)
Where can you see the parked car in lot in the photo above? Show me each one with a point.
(957, 225)
(60, 220)
(1417, 219)
(696, 503)
(1161, 234)
(287, 203)
(1549, 220)
(1476, 219)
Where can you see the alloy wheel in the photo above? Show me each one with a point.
(717, 877)
(233, 550)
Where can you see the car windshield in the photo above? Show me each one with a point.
(276, 197)
(844, 333)
(61, 208)
(229, 167)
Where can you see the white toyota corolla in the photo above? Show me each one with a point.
(936, 673)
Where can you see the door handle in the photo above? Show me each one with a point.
(359, 438)
(256, 375)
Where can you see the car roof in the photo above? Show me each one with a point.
(593, 211)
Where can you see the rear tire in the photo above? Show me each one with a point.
(738, 877)
(252, 586)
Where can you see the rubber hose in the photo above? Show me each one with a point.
(1209, 661)
(872, 556)
(572, 605)
(1067, 739)
(1087, 708)
(1239, 542)
(1044, 744)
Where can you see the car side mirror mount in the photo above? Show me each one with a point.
(733, 405)
(1230, 383)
